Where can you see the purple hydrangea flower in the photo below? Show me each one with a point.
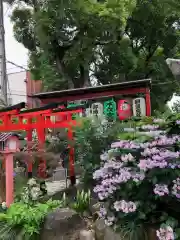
(165, 233)
(125, 207)
(176, 188)
(161, 190)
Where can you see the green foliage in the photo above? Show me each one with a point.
(19, 183)
(150, 38)
(132, 231)
(25, 220)
(91, 139)
(138, 180)
(82, 202)
(62, 36)
(74, 43)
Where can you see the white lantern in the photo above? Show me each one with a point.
(97, 109)
(139, 107)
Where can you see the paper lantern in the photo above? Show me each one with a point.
(124, 109)
(139, 107)
(97, 109)
(110, 109)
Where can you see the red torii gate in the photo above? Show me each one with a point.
(43, 120)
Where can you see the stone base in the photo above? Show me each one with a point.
(62, 224)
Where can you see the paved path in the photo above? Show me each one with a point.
(56, 186)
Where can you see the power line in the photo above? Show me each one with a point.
(11, 68)
(17, 65)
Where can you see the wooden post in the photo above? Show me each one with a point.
(41, 140)
(71, 154)
(9, 179)
(29, 145)
(148, 102)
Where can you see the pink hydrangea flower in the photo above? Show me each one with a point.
(161, 190)
(126, 207)
(165, 233)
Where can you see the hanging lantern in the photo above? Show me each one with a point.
(124, 109)
(110, 109)
(97, 110)
(139, 107)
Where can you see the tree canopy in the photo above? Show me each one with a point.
(81, 42)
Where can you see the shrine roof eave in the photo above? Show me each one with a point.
(145, 83)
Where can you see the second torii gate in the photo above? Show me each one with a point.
(15, 119)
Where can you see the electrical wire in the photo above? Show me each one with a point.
(17, 65)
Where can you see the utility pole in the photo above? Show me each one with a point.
(3, 73)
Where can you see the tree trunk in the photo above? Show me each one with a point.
(61, 69)
(84, 76)
(86, 79)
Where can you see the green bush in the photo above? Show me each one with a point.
(82, 202)
(25, 221)
(91, 139)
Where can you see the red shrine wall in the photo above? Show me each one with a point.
(131, 105)
(124, 110)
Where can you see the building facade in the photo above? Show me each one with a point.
(20, 87)
(16, 87)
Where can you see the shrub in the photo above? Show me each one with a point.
(25, 217)
(139, 179)
(91, 139)
(25, 221)
(82, 202)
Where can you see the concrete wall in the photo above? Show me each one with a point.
(21, 87)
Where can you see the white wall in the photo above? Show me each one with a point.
(16, 87)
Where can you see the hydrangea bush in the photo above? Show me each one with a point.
(139, 181)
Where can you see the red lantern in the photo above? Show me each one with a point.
(124, 109)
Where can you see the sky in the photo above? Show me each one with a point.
(15, 52)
